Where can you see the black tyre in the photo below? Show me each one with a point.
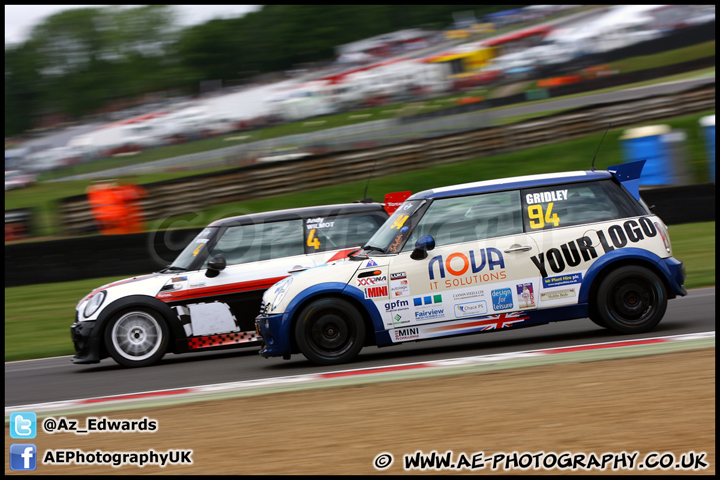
(630, 299)
(137, 337)
(330, 331)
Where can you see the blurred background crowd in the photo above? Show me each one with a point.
(115, 82)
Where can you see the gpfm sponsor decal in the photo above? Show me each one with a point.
(572, 253)
(399, 311)
(398, 305)
(463, 270)
(502, 299)
(471, 309)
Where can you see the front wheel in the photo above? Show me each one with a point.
(330, 331)
(631, 299)
(136, 338)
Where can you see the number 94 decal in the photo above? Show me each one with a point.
(538, 218)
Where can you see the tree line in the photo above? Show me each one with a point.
(77, 62)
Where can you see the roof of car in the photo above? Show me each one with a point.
(525, 181)
(303, 212)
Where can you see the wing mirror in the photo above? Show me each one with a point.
(422, 246)
(215, 264)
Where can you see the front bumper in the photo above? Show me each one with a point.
(87, 345)
(275, 333)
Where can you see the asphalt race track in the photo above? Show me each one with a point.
(56, 379)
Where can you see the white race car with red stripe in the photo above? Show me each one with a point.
(210, 295)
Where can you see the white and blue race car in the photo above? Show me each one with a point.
(485, 256)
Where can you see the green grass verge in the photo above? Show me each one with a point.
(38, 317)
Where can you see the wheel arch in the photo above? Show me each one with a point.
(128, 303)
(611, 261)
(335, 291)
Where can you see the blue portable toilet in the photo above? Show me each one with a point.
(708, 126)
(647, 143)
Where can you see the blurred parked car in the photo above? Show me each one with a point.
(15, 179)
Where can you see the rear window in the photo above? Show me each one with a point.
(576, 203)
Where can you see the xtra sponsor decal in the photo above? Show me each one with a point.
(372, 281)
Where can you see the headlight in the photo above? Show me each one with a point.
(280, 290)
(94, 303)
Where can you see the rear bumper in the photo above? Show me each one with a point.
(677, 276)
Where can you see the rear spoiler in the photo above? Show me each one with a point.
(394, 200)
(628, 174)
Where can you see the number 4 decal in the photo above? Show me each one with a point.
(538, 220)
(312, 240)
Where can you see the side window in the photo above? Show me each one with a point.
(465, 219)
(282, 239)
(334, 233)
(263, 241)
(577, 203)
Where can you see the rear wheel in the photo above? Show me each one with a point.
(630, 299)
(330, 331)
(136, 338)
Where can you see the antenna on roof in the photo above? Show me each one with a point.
(592, 165)
(365, 199)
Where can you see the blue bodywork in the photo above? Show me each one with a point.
(279, 330)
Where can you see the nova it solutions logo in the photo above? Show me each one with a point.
(23, 456)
